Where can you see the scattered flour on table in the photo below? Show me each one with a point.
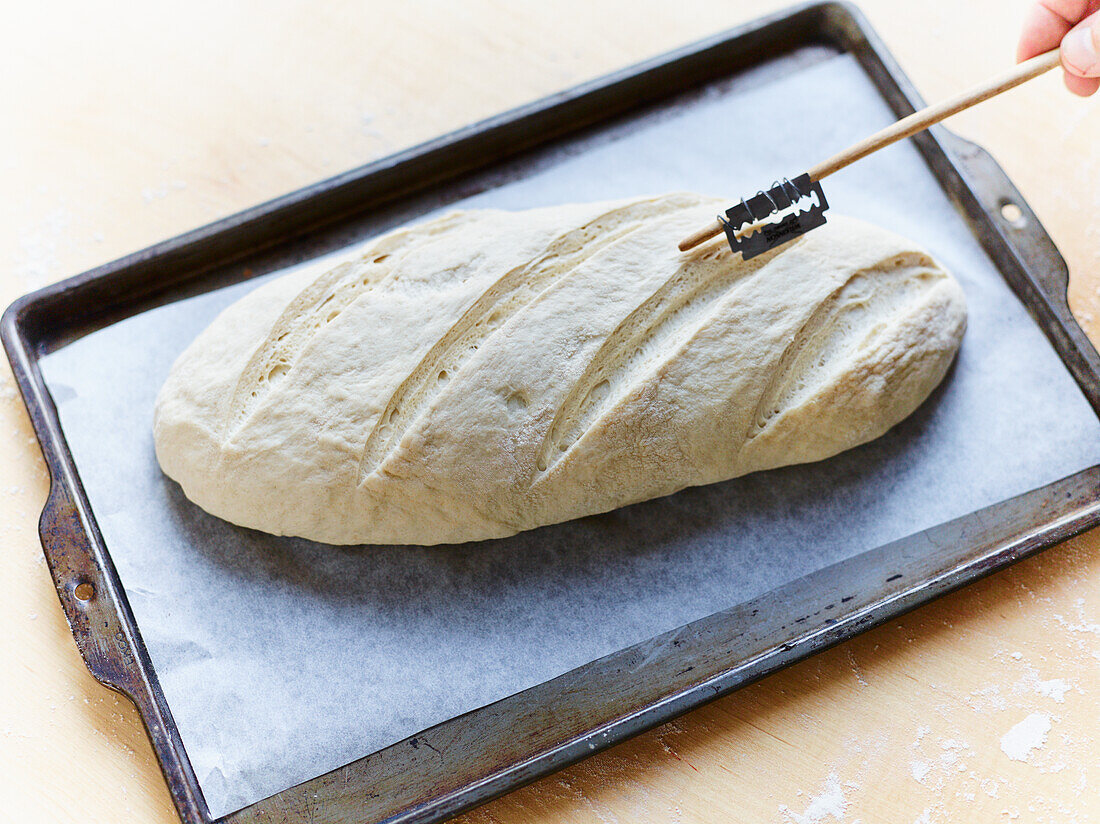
(995, 697)
(856, 669)
(1052, 688)
(987, 697)
(1055, 688)
(919, 770)
(8, 392)
(1080, 626)
(829, 802)
(162, 190)
(1029, 734)
(952, 750)
(366, 123)
(38, 260)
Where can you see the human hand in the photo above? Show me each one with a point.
(1075, 24)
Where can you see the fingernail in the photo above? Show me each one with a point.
(1079, 51)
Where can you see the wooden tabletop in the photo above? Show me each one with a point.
(131, 122)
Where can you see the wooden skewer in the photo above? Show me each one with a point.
(916, 122)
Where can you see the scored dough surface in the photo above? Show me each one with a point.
(488, 372)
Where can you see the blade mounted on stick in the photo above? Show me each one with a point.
(802, 196)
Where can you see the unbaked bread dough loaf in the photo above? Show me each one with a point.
(489, 371)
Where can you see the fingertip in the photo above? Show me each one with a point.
(1024, 49)
(1043, 30)
(1082, 86)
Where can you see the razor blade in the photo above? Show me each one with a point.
(787, 210)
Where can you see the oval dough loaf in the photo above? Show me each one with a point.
(489, 372)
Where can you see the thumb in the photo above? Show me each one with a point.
(1081, 48)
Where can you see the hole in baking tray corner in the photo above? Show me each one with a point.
(1012, 214)
(84, 592)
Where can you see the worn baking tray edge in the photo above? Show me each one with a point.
(103, 626)
(913, 570)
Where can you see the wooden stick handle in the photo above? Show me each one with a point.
(930, 115)
(907, 126)
(701, 236)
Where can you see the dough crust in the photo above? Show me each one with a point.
(488, 372)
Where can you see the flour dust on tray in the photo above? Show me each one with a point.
(488, 372)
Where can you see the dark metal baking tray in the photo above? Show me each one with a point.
(484, 753)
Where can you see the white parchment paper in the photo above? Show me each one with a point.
(282, 659)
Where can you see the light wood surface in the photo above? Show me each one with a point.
(126, 123)
(918, 121)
